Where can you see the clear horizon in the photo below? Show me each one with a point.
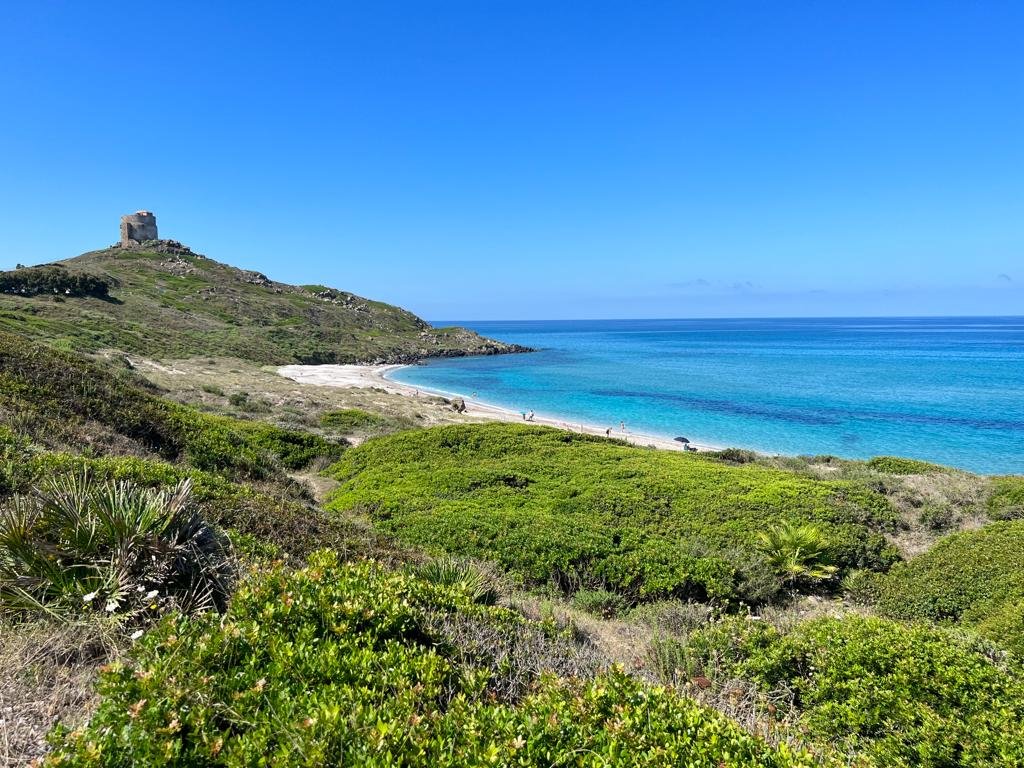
(780, 317)
(531, 161)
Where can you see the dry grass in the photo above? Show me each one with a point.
(931, 505)
(200, 382)
(47, 675)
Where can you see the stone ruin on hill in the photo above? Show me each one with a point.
(137, 228)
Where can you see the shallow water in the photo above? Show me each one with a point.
(949, 390)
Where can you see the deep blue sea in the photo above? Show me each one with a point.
(949, 390)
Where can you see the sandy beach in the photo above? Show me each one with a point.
(376, 376)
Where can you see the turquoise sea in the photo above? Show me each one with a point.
(949, 390)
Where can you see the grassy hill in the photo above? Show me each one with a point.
(163, 300)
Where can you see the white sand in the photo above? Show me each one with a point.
(375, 376)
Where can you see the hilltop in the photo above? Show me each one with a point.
(160, 299)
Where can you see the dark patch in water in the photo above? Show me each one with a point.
(729, 406)
(824, 417)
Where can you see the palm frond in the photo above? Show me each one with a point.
(78, 545)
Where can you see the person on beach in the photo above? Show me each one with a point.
(530, 417)
(608, 432)
(622, 426)
(524, 415)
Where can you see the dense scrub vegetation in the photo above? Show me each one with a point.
(588, 512)
(1006, 501)
(355, 420)
(76, 545)
(276, 521)
(344, 666)
(896, 465)
(61, 399)
(52, 280)
(174, 303)
(412, 661)
(903, 695)
(975, 577)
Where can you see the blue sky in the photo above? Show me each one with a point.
(483, 160)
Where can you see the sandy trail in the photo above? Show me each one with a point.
(376, 376)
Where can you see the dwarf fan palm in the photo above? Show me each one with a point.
(76, 544)
(799, 552)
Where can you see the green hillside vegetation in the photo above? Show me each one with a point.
(974, 577)
(332, 630)
(165, 301)
(351, 666)
(583, 511)
(124, 513)
(1006, 501)
(76, 544)
(274, 519)
(64, 415)
(52, 280)
(60, 399)
(904, 695)
(896, 465)
(357, 421)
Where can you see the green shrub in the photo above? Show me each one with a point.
(667, 660)
(554, 506)
(938, 517)
(895, 465)
(244, 449)
(464, 577)
(798, 552)
(1006, 502)
(238, 399)
(862, 586)
(1004, 625)
(732, 455)
(80, 545)
(337, 666)
(52, 279)
(295, 528)
(902, 695)
(212, 389)
(351, 420)
(600, 602)
(967, 577)
(65, 395)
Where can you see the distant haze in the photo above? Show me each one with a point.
(537, 159)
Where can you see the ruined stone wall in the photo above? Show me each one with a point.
(137, 228)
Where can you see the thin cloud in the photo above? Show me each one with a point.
(700, 282)
(1004, 277)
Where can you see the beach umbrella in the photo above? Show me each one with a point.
(681, 440)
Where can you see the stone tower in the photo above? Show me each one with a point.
(137, 228)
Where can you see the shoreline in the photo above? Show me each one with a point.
(376, 376)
